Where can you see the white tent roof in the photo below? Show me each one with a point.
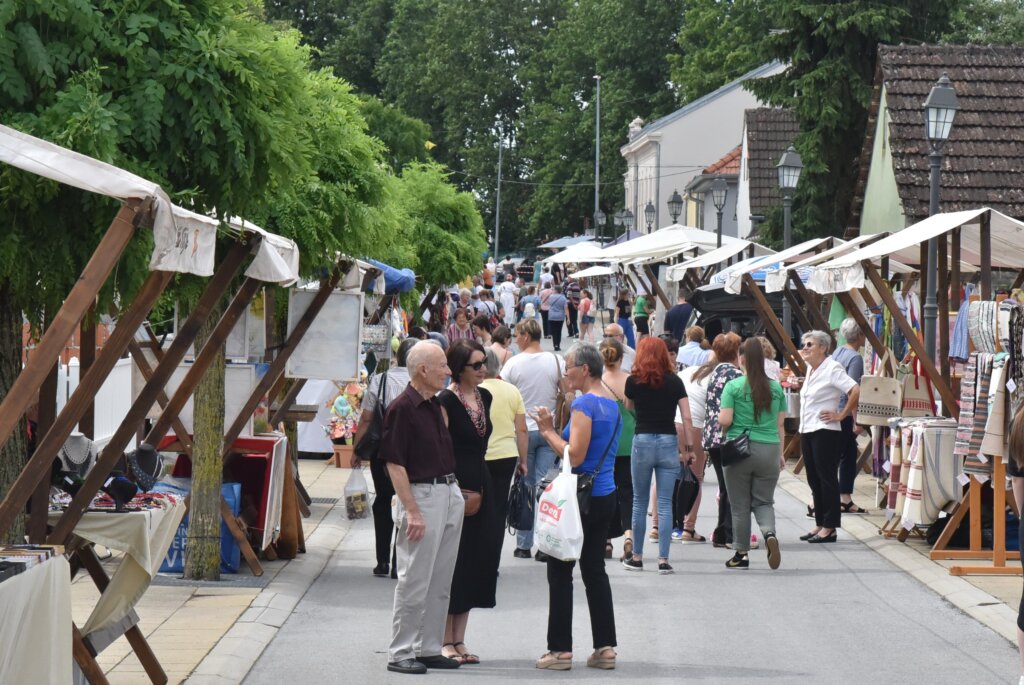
(183, 239)
(567, 241)
(776, 280)
(846, 272)
(666, 242)
(716, 256)
(594, 271)
(734, 275)
(580, 252)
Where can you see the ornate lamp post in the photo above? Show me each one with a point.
(789, 167)
(649, 212)
(599, 221)
(719, 190)
(675, 206)
(627, 222)
(939, 111)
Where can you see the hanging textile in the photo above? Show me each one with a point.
(895, 466)
(968, 389)
(993, 443)
(1015, 363)
(981, 317)
(932, 479)
(959, 348)
(975, 463)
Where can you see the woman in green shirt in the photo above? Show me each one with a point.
(614, 380)
(754, 404)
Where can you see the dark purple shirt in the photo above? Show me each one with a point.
(416, 437)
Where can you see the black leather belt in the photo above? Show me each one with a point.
(440, 480)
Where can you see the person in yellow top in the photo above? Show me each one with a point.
(509, 438)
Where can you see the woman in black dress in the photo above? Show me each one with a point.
(468, 410)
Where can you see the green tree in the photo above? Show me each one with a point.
(831, 49)
(404, 137)
(627, 42)
(202, 97)
(986, 22)
(718, 43)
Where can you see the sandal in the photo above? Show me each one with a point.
(455, 653)
(851, 508)
(608, 550)
(690, 537)
(555, 661)
(653, 537)
(467, 658)
(627, 549)
(601, 659)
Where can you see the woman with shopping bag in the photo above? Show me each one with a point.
(591, 434)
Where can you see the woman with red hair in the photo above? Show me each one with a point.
(655, 391)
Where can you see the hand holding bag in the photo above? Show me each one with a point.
(881, 397)
(520, 506)
(559, 527)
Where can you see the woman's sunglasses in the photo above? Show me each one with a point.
(476, 366)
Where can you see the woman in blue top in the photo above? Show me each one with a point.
(593, 431)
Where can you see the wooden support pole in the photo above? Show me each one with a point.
(943, 301)
(985, 237)
(277, 367)
(1018, 281)
(954, 267)
(37, 468)
(214, 290)
(862, 321)
(86, 358)
(425, 303)
(798, 310)
(948, 400)
(805, 295)
(789, 351)
(657, 286)
(85, 659)
(287, 401)
(147, 373)
(210, 350)
(44, 421)
(62, 326)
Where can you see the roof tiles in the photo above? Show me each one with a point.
(770, 131)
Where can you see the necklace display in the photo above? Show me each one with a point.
(476, 413)
(77, 454)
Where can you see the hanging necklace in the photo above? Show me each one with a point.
(476, 413)
(77, 454)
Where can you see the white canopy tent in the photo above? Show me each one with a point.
(567, 241)
(733, 276)
(776, 280)
(716, 256)
(593, 271)
(580, 252)
(846, 272)
(666, 242)
(183, 240)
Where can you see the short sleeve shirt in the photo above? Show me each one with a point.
(416, 437)
(557, 307)
(605, 428)
(506, 405)
(822, 391)
(764, 427)
(640, 307)
(656, 406)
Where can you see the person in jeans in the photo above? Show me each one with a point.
(726, 350)
(623, 314)
(754, 404)
(614, 380)
(821, 430)
(558, 314)
(654, 390)
(546, 291)
(591, 434)
(537, 374)
(395, 381)
(853, 364)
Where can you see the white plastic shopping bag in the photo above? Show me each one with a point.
(558, 527)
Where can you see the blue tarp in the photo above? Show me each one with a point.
(395, 280)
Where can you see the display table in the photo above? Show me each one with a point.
(144, 537)
(35, 625)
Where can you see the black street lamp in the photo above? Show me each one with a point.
(675, 206)
(939, 111)
(789, 166)
(627, 222)
(599, 221)
(649, 212)
(719, 190)
(618, 222)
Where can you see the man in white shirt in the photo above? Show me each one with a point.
(614, 330)
(546, 279)
(506, 292)
(537, 374)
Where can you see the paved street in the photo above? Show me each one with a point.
(831, 614)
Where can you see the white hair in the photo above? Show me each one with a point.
(821, 337)
(850, 329)
(419, 355)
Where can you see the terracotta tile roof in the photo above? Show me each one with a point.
(729, 164)
(983, 161)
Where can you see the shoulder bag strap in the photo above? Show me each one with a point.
(608, 447)
(380, 396)
(609, 389)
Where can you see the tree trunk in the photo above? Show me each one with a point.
(202, 554)
(12, 456)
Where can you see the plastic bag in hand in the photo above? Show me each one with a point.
(558, 527)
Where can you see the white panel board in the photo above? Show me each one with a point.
(330, 350)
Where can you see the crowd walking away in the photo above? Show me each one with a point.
(463, 420)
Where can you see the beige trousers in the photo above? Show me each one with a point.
(425, 571)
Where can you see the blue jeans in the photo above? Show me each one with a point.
(539, 458)
(654, 456)
(627, 329)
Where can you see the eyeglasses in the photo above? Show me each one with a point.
(808, 344)
(476, 366)
(570, 368)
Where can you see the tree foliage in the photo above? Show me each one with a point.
(986, 22)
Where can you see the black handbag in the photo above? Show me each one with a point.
(736, 450)
(584, 481)
(369, 445)
(520, 506)
(687, 488)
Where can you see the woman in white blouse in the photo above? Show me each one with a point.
(820, 432)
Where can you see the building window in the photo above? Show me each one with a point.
(699, 204)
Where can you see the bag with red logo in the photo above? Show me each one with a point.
(559, 527)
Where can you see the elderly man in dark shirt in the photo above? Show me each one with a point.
(418, 451)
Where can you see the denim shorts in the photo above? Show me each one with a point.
(586, 319)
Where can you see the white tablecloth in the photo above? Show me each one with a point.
(144, 537)
(35, 625)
